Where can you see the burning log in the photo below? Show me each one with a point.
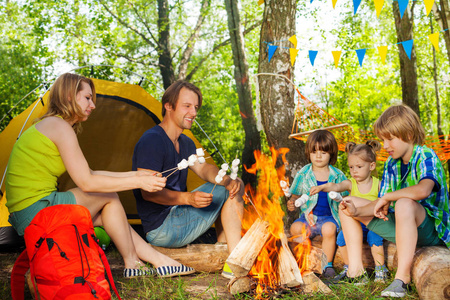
(243, 256)
(288, 270)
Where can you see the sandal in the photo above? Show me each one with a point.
(170, 271)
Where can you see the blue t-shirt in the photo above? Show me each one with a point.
(322, 207)
(155, 151)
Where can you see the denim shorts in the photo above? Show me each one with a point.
(370, 237)
(316, 229)
(186, 223)
(426, 232)
(22, 218)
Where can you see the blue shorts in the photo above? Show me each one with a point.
(185, 223)
(316, 229)
(370, 237)
(22, 218)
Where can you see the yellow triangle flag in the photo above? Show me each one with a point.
(336, 56)
(379, 6)
(428, 5)
(434, 38)
(293, 52)
(293, 40)
(334, 3)
(382, 50)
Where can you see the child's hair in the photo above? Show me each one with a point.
(322, 140)
(366, 152)
(401, 122)
(61, 99)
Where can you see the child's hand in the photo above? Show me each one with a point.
(381, 209)
(315, 189)
(291, 205)
(347, 207)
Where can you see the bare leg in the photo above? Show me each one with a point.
(219, 231)
(378, 255)
(344, 254)
(231, 217)
(409, 215)
(329, 240)
(298, 231)
(106, 210)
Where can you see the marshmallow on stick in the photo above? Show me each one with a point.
(285, 187)
(183, 164)
(218, 179)
(335, 196)
(234, 168)
(302, 200)
(192, 159)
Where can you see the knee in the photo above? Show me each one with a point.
(329, 230)
(405, 207)
(297, 228)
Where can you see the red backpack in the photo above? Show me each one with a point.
(63, 256)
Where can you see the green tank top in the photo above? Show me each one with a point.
(372, 195)
(33, 170)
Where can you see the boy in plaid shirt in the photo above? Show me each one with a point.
(412, 208)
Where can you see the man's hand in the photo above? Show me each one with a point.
(199, 199)
(234, 187)
(381, 209)
(348, 207)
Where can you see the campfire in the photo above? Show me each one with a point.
(265, 262)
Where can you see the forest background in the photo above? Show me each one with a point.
(220, 45)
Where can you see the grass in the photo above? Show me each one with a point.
(198, 286)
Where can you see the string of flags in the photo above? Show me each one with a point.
(360, 53)
(403, 4)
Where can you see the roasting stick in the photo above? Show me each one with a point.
(250, 200)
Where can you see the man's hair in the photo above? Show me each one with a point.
(62, 97)
(173, 92)
(402, 122)
(322, 140)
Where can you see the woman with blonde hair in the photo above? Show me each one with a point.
(49, 148)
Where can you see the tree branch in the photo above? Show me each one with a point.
(140, 18)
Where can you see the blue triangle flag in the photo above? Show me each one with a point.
(311, 1)
(402, 5)
(407, 46)
(356, 4)
(272, 50)
(360, 53)
(312, 56)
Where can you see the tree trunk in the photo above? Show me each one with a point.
(242, 78)
(408, 67)
(165, 55)
(442, 16)
(278, 94)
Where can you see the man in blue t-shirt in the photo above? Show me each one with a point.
(175, 217)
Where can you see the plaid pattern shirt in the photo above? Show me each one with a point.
(424, 164)
(304, 180)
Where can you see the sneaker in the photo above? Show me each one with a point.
(362, 279)
(341, 275)
(329, 272)
(397, 289)
(381, 275)
(171, 271)
(129, 273)
(226, 272)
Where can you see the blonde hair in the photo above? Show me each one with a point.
(401, 122)
(322, 140)
(367, 151)
(62, 98)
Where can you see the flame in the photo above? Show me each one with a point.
(265, 202)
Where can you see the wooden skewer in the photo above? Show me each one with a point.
(172, 172)
(213, 188)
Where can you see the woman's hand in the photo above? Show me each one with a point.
(151, 181)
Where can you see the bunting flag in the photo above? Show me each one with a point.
(272, 50)
(334, 3)
(428, 5)
(360, 53)
(402, 5)
(356, 4)
(312, 56)
(407, 46)
(293, 40)
(379, 6)
(336, 56)
(434, 38)
(382, 50)
(293, 53)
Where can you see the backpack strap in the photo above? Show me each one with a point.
(108, 270)
(19, 270)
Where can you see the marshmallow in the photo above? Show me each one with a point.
(222, 173)
(183, 164)
(224, 167)
(283, 184)
(201, 160)
(335, 196)
(234, 169)
(302, 200)
(192, 159)
(235, 162)
(233, 176)
(218, 178)
(200, 152)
